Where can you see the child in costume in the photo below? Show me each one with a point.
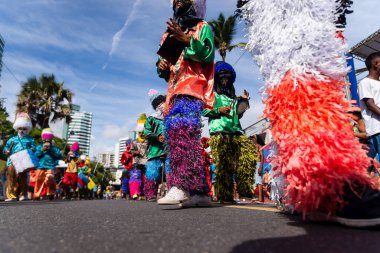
(70, 177)
(49, 155)
(233, 152)
(127, 161)
(17, 143)
(140, 157)
(190, 90)
(154, 132)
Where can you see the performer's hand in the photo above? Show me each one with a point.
(163, 65)
(224, 111)
(7, 152)
(178, 33)
(161, 138)
(246, 94)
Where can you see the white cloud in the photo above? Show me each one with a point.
(114, 132)
(119, 34)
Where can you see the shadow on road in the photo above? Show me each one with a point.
(176, 207)
(319, 237)
(31, 203)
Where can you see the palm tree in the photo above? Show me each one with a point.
(45, 100)
(224, 32)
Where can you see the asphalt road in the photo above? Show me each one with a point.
(137, 226)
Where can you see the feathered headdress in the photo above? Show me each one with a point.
(22, 121)
(156, 98)
(47, 134)
(141, 122)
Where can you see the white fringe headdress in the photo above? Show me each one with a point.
(22, 121)
(294, 34)
(199, 6)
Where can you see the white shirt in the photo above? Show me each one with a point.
(369, 88)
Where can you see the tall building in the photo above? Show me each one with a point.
(79, 129)
(120, 147)
(2, 44)
(107, 159)
(119, 150)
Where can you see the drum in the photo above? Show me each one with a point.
(24, 160)
(242, 106)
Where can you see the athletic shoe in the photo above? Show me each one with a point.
(10, 200)
(197, 201)
(173, 197)
(22, 198)
(362, 209)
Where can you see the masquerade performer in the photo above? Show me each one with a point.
(140, 157)
(207, 159)
(17, 143)
(70, 178)
(49, 155)
(233, 152)
(302, 61)
(157, 156)
(127, 161)
(82, 177)
(190, 76)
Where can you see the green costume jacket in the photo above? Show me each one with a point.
(223, 124)
(152, 129)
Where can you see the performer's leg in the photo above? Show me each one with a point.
(143, 179)
(246, 165)
(134, 182)
(11, 192)
(167, 171)
(22, 179)
(183, 133)
(224, 162)
(152, 177)
(40, 181)
(50, 183)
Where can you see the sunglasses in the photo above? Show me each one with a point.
(23, 129)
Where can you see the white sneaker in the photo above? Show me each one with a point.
(173, 197)
(22, 198)
(10, 200)
(197, 201)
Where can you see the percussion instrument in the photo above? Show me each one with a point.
(24, 160)
(242, 106)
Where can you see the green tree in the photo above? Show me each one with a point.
(45, 100)
(6, 129)
(224, 33)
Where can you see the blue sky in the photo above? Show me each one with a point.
(105, 52)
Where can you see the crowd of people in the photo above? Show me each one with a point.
(169, 163)
(32, 171)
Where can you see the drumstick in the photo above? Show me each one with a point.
(10, 147)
